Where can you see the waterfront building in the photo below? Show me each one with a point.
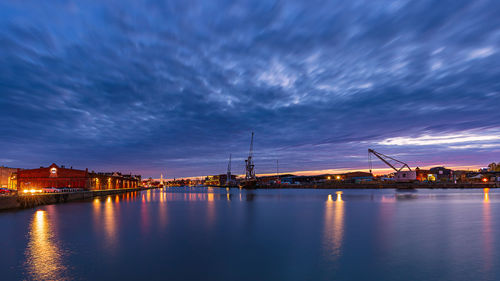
(60, 177)
(357, 177)
(218, 180)
(442, 174)
(425, 175)
(6, 177)
(115, 180)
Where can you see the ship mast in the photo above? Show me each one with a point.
(229, 180)
(249, 171)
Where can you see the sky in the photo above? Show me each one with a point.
(174, 87)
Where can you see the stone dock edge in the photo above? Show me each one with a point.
(30, 201)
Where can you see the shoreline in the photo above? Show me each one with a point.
(30, 201)
(378, 186)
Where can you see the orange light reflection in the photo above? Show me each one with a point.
(488, 237)
(44, 257)
(334, 226)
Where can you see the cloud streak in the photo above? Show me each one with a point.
(178, 85)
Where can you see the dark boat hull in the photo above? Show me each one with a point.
(249, 184)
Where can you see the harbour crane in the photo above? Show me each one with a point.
(387, 160)
(249, 166)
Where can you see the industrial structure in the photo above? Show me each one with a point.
(400, 175)
(250, 180)
(249, 166)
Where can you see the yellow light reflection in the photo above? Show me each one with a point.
(145, 217)
(44, 257)
(334, 226)
(96, 204)
(488, 238)
(339, 195)
(162, 211)
(210, 208)
(109, 221)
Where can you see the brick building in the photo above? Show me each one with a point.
(58, 177)
(98, 181)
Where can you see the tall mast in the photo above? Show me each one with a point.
(250, 155)
(277, 171)
(250, 172)
(229, 179)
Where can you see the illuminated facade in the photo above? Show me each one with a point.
(59, 177)
(218, 180)
(6, 176)
(99, 181)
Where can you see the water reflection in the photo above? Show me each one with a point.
(96, 212)
(385, 222)
(106, 220)
(210, 206)
(145, 216)
(334, 226)
(487, 232)
(110, 222)
(162, 210)
(43, 255)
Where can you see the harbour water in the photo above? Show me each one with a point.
(290, 234)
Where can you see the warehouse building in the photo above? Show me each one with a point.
(61, 177)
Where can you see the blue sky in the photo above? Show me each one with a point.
(149, 86)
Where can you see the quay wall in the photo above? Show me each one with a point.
(30, 201)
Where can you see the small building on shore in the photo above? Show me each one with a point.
(442, 174)
(425, 175)
(218, 180)
(6, 177)
(61, 177)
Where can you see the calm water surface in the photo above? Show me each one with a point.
(219, 234)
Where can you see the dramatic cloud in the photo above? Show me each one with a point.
(149, 86)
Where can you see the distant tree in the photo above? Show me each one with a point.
(494, 167)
